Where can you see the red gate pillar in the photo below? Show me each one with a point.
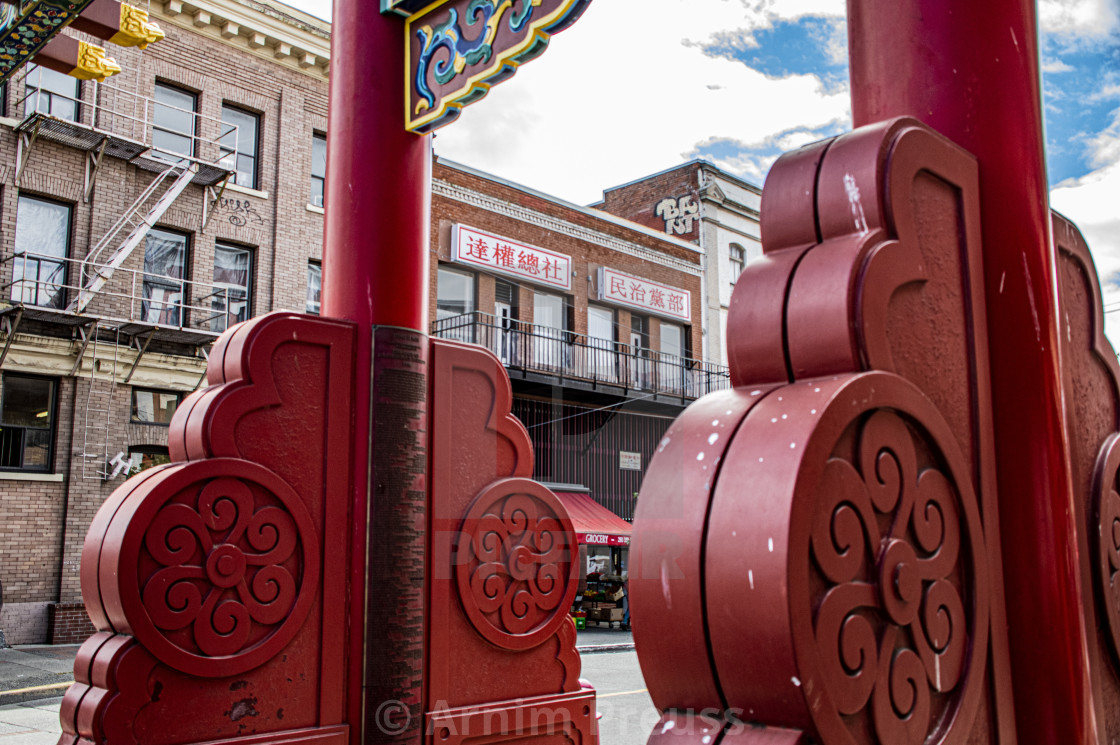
(375, 273)
(970, 70)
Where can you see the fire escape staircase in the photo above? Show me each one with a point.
(138, 219)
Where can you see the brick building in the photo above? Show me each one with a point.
(141, 217)
(715, 210)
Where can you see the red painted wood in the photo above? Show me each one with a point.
(375, 251)
(220, 579)
(847, 498)
(503, 569)
(971, 71)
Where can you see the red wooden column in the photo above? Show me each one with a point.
(970, 70)
(375, 273)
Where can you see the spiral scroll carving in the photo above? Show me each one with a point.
(513, 563)
(228, 565)
(895, 546)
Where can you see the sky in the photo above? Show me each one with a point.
(625, 93)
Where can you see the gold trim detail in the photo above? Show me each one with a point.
(136, 29)
(93, 64)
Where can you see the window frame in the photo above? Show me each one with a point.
(318, 269)
(192, 135)
(224, 151)
(63, 261)
(51, 428)
(183, 304)
(31, 100)
(472, 276)
(132, 418)
(737, 263)
(319, 180)
(218, 323)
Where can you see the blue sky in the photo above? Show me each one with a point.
(637, 86)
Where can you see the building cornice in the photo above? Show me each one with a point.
(556, 225)
(590, 211)
(284, 36)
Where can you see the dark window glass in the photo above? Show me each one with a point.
(454, 293)
(232, 284)
(238, 145)
(314, 286)
(153, 407)
(318, 169)
(165, 264)
(26, 423)
(42, 242)
(173, 120)
(51, 93)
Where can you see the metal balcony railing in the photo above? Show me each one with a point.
(113, 121)
(184, 311)
(541, 349)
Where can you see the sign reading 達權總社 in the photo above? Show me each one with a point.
(457, 49)
(497, 254)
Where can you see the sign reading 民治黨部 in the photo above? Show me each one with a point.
(497, 254)
(457, 49)
(635, 292)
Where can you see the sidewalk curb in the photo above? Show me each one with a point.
(597, 648)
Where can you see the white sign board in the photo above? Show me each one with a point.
(635, 292)
(629, 461)
(501, 255)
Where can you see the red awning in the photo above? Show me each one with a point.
(595, 525)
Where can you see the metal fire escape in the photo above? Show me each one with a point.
(107, 305)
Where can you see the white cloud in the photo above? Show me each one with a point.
(1091, 203)
(1073, 19)
(572, 124)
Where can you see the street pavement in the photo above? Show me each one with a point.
(33, 678)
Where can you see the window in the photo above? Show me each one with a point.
(455, 304)
(173, 120)
(238, 146)
(550, 321)
(165, 264)
(454, 293)
(314, 286)
(42, 243)
(26, 423)
(738, 260)
(51, 93)
(318, 168)
(233, 267)
(153, 407)
(143, 457)
(600, 342)
(639, 351)
(671, 372)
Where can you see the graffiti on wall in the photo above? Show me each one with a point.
(678, 214)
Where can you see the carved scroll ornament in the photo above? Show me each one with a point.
(816, 551)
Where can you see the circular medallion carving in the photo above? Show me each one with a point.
(227, 566)
(897, 584)
(514, 563)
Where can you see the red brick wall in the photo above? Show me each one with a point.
(69, 623)
(638, 201)
(587, 256)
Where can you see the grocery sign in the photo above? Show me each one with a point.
(602, 539)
